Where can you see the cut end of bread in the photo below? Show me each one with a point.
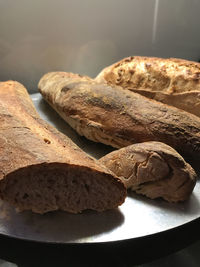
(56, 186)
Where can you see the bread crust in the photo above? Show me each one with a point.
(28, 144)
(118, 117)
(171, 81)
(153, 169)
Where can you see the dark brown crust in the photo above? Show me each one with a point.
(26, 140)
(118, 117)
(153, 169)
(171, 81)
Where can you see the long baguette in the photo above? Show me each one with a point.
(43, 170)
(171, 81)
(118, 117)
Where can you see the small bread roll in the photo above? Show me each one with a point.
(153, 169)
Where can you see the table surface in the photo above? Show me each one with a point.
(186, 257)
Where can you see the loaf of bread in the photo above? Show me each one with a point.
(171, 81)
(118, 117)
(43, 170)
(153, 169)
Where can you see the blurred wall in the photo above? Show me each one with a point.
(84, 36)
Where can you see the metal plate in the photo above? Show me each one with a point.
(137, 217)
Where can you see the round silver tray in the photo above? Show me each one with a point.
(137, 217)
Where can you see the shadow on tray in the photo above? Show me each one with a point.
(58, 226)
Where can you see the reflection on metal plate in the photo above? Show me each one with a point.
(137, 217)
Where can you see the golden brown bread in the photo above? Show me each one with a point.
(118, 117)
(43, 170)
(153, 169)
(171, 81)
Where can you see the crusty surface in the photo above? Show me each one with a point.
(118, 117)
(172, 81)
(153, 169)
(43, 170)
